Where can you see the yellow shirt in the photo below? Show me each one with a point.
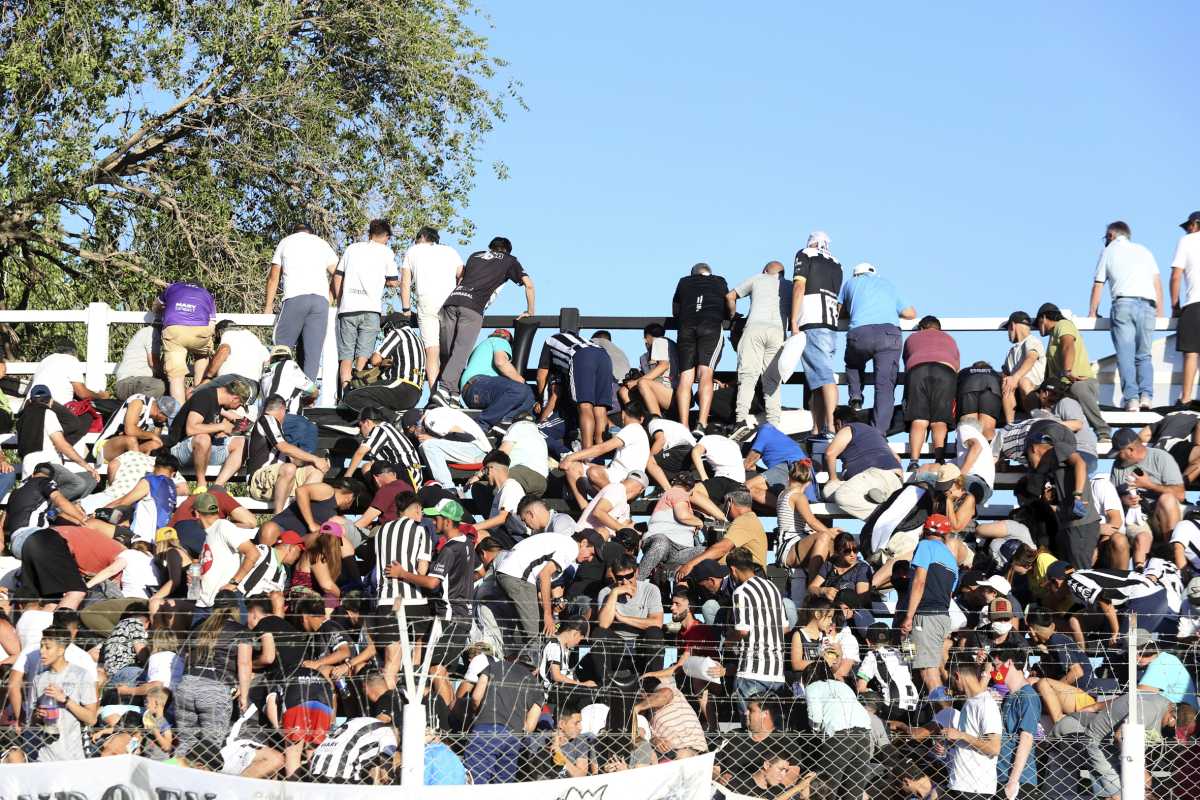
(1082, 366)
(747, 531)
(1037, 582)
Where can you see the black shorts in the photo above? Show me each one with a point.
(48, 567)
(929, 391)
(699, 345)
(386, 627)
(718, 486)
(984, 402)
(675, 460)
(1187, 331)
(452, 641)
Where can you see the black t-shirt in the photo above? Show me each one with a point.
(822, 283)
(220, 663)
(290, 645)
(455, 566)
(27, 500)
(327, 638)
(204, 403)
(972, 380)
(483, 275)
(1059, 436)
(390, 703)
(700, 298)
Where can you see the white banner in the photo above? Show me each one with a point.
(137, 778)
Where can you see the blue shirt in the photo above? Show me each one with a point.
(872, 300)
(1020, 712)
(1167, 674)
(442, 767)
(481, 360)
(1065, 651)
(941, 575)
(776, 446)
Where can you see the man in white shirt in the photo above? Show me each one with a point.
(239, 354)
(1186, 264)
(433, 269)
(630, 449)
(974, 739)
(139, 364)
(1025, 365)
(304, 262)
(229, 552)
(525, 575)
(1135, 286)
(447, 435)
(365, 268)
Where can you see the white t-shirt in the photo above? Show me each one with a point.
(165, 668)
(724, 456)
(528, 447)
(1129, 268)
(247, 355)
(219, 560)
(675, 434)
(1106, 498)
(662, 349)
(984, 467)
(306, 262)
(529, 555)
(138, 579)
(508, 498)
(1187, 533)
(1187, 258)
(478, 664)
(553, 653)
(135, 357)
(970, 770)
(614, 493)
(30, 626)
(439, 421)
(633, 453)
(434, 269)
(364, 268)
(1019, 351)
(57, 372)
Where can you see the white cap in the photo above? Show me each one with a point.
(997, 583)
(864, 268)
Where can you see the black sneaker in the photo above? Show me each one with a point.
(855, 405)
(439, 399)
(455, 400)
(742, 432)
(699, 431)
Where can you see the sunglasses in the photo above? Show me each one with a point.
(848, 550)
(628, 576)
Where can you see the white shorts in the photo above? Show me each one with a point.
(430, 327)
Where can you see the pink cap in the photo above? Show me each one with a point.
(333, 529)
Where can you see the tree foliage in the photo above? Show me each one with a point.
(146, 141)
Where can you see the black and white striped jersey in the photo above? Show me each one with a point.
(406, 542)
(406, 350)
(758, 611)
(388, 443)
(1119, 587)
(115, 425)
(265, 438)
(559, 349)
(286, 378)
(347, 752)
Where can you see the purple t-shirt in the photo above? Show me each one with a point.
(187, 304)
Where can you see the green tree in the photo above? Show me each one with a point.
(147, 141)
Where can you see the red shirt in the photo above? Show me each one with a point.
(700, 639)
(385, 500)
(93, 550)
(930, 347)
(226, 505)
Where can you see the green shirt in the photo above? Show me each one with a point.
(1082, 367)
(481, 360)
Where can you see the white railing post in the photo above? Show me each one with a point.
(328, 375)
(412, 746)
(1133, 733)
(95, 372)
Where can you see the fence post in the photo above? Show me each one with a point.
(95, 376)
(412, 746)
(1133, 734)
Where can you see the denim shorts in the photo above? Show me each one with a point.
(356, 334)
(818, 356)
(216, 454)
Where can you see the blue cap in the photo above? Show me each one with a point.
(939, 693)
(38, 392)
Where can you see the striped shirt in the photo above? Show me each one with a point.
(758, 612)
(387, 443)
(265, 439)
(116, 423)
(406, 542)
(559, 349)
(348, 750)
(286, 378)
(1118, 587)
(407, 353)
(267, 575)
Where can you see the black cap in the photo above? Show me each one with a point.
(411, 419)
(384, 468)
(1057, 570)
(1016, 317)
(1193, 218)
(709, 568)
(1046, 309)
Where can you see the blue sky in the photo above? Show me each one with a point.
(973, 152)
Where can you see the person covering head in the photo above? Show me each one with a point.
(450, 509)
(937, 525)
(502, 333)
(819, 240)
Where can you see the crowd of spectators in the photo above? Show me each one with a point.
(573, 575)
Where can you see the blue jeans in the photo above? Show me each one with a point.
(491, 754)
(440, 452)
(498, 398)
(7, 481)
(745, 688)
(1132, 329)
(882, 345)
(302, 322)
(301, 432)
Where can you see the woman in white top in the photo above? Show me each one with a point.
(139, 579)
(804, 541)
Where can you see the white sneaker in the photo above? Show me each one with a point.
(1133, 405)
(1146, 402)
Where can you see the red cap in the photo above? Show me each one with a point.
(293, 538)
(937, 523)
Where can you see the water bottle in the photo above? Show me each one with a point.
(343, 686)
(193, 573)
(908, 651)
(48, 710)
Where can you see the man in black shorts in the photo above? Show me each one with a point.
(450, 584)
(980, 396)
(699, 308)
(930, 384)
